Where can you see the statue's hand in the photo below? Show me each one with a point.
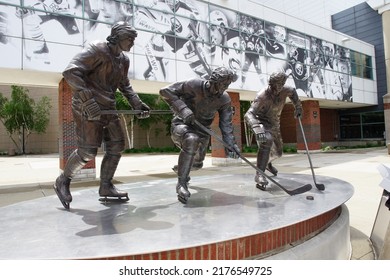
(187, 115)
(234, 153)
(145, 111)
(258, 130)
(298, 112)
(261, 137)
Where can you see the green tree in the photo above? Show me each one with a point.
(244, 107)
(155, 103)
(22, 116)
(123, 104)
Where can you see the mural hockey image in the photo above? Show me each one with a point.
(177, 40)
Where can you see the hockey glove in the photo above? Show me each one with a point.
(298, 112)
(145, 111)
(187, 115)
(258, 130)
(234, 153)
(91, 110)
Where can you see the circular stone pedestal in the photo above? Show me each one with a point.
(226, 217)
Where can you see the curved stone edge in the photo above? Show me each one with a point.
(331, 244)
(318, 238)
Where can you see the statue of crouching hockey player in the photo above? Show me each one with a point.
(198, 99)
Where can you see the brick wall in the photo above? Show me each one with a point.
(217, 149)
(329, 125)
(256, 246)
(311, 121)
(288, 125)
(67, 132)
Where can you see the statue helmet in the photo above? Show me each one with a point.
(277, 78)
(222, 73)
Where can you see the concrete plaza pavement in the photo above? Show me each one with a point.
(28, 177)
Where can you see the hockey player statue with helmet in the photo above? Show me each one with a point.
(198, 99)
(263, 117)
(94, 75)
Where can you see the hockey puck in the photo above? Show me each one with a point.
(309, 197)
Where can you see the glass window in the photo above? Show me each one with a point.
(372, 117)
(368, 71)
(362, 126)
(361, 65)
(350, 132)
(350, 119)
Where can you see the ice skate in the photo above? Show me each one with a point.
(272, 169)
(261, 182)
(182, 193)
(107, 190)
(109, 193)
(61, 187)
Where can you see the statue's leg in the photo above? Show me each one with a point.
(114, 143)
(189, 146)
(88, 139)
(263, 155)
(272, 169)
(276, 152)
(76, 161)
(201, 153)
(183, 170)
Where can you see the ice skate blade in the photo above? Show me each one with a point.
(107, 199)
(261, 187)
(64, 203)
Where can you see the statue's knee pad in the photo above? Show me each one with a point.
(87, 154)
(190, 143)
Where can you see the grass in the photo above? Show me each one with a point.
(147, 150)
(340, 148)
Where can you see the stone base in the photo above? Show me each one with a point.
(226, 217)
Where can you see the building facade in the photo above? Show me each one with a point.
(334, 73)
(364, 23)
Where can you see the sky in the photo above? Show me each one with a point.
(315, 11)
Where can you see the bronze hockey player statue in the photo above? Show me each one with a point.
(263, 117)
(94, 75)
(198, 99)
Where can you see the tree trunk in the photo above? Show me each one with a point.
(248, 135)
(148, 137)
(132, 131)
(126, 130)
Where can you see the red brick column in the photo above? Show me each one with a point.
(67, 139)
(217, 149)
(311, 126)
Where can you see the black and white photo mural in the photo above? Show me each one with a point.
(176, 39)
